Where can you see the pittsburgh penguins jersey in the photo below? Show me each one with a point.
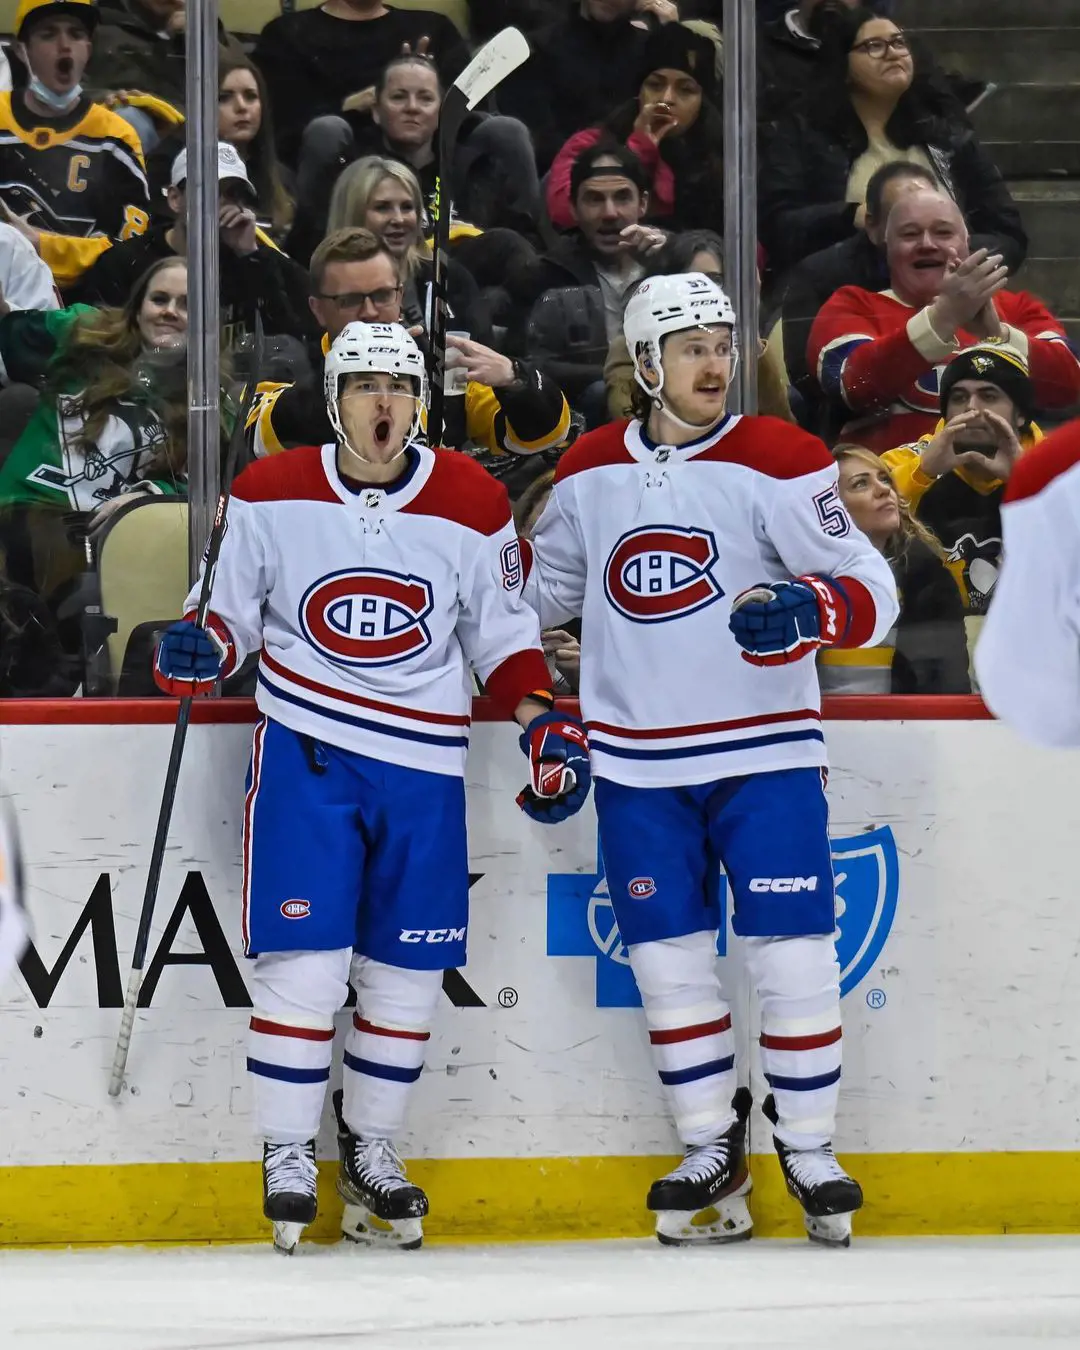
(79, 178)
(649, 544)
(368, 605)
(883, 360)
(1028, 655)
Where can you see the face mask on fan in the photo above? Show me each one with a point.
(59, 103)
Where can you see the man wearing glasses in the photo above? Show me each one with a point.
(510, 408)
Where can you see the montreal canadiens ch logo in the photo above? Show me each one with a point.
(367, 617)
(662, 572)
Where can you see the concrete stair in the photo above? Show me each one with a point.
(1030, 125)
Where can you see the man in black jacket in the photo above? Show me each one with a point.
(570, 300)
(316, 61)
(579, 72)
(788, 50)
(255, 276)
(858, 261)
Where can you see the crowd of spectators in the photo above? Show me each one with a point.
(888, 243)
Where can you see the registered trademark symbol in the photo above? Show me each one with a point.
(876, 998)
(507, 997)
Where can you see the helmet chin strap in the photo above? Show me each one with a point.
(660, 406)
(375, 463)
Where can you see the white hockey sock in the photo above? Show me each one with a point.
(690, 1032)
(386, 1044)
(291, 1039)
(798, 982)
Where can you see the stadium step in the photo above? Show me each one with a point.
(1013, 56)
(1051, 14)
(1031, 50)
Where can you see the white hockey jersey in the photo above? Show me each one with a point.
(1028, 656)
(649, 545)
(369, 607)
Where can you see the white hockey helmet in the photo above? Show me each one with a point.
(671, 304)
(361, 348)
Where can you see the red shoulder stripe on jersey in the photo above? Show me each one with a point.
(594, 450)
(770, 446)
(1038, 467)
(526, 558)
(862, 613)
(517, 677)
(458, 489)
(295, 475)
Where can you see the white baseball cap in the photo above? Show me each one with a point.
(229, 165)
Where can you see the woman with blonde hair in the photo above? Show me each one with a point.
(111, 422)
(383, 196)
(926, 651)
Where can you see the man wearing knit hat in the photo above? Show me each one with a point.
(954, 478)
(72, 174)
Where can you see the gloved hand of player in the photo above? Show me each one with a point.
(558, 751)
(782, 621)
(189, 660)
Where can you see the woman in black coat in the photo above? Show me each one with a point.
(926, 651)
(874, 99)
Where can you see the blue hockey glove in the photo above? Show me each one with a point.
(782, 621)
(189, 660)
(558, 751)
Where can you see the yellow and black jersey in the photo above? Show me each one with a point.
(80, 179)
(521, 419)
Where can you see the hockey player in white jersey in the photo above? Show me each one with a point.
(1028, 654)
(369, 574)
(709, 557)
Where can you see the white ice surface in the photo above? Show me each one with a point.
(998, 1293)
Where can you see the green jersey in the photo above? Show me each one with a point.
(52, 462)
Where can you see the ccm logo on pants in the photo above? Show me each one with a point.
(783, 885)
(432, 935)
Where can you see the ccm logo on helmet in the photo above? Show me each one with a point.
(432, 935)
(783, 885)
(641, 888)
(295, 909)
(662, 572)
(367, 617)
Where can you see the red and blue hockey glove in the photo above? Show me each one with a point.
(782, 621)
(189, 660)
(558, 751)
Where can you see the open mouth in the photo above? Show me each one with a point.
(929, 264)
(383, 428)
(64, 67)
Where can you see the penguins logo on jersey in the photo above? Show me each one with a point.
(366, 616)
(661, 572)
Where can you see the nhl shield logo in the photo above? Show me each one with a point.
(867, 884)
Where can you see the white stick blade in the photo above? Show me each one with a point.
(491, 65)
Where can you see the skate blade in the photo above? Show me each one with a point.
(726, 1220)
(358, 1224)
(287, 1236)
(829, 1230)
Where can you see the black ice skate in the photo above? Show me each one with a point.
(828, 1196)
(381, 1205)
(711, 1180)
(289, 1177)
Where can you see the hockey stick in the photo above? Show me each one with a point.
(491, 65)
(172, 773)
